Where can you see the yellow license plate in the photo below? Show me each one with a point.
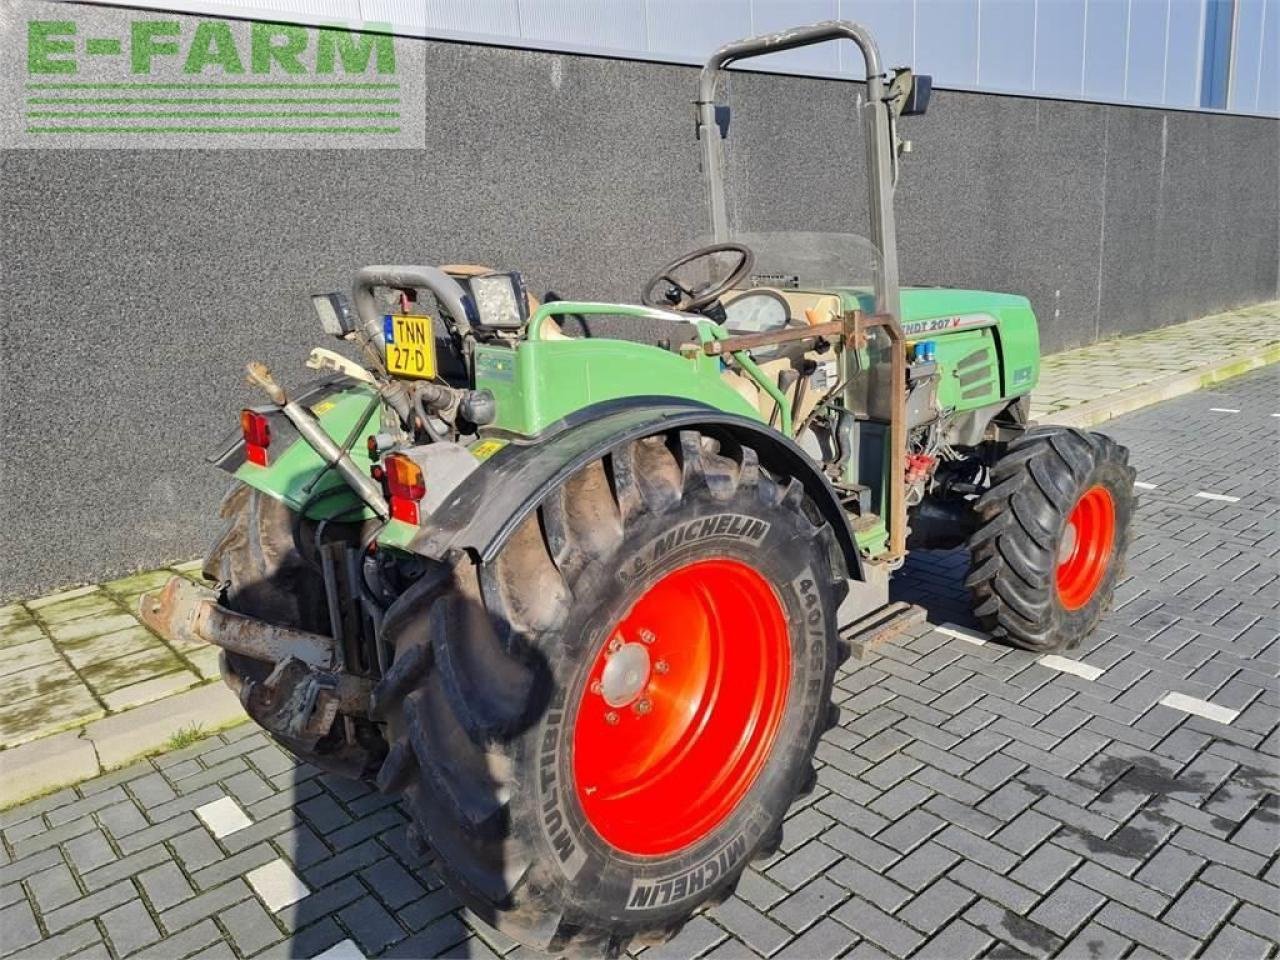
(410, 346)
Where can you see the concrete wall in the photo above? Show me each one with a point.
(137, 283)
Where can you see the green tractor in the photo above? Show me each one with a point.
(579, 600)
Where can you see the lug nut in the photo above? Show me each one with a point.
(661, 666)
(596, 687)
(611, 718)
(647, 636)
(642, 707)
(615, 644)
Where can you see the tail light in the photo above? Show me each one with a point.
(405, 487)
(257, 436)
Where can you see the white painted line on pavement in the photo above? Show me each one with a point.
(1144, 486)
(277, 884)
(1066, 665)
(960, 633)
(223, 817)
(344, 950)
(1201, 708)
(1218, 496)
(1223, 410)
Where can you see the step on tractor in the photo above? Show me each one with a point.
(579, 599)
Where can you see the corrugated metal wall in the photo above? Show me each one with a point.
(1121, 51)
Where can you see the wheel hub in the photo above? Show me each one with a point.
(1068, 545)
(625, 675)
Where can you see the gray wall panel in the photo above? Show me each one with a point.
(137, 283)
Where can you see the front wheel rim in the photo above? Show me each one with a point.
(1084, 550)
(681, 707)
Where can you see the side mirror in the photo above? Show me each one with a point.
(917, 99)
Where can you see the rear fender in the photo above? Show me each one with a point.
(482, 513)
(296, 474)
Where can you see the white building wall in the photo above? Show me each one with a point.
(1128, 51)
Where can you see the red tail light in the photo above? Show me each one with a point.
(257, 436)
(405, 487)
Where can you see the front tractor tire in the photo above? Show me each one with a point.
(1054, 531)
(597, 731)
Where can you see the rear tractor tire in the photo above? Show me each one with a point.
(596, 732)
(1054, 532)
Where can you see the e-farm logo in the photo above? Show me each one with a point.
(139, 81)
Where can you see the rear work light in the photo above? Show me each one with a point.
(257, 436)
(405, 487)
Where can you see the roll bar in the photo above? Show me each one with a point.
(877, 119)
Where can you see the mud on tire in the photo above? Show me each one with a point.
(491, 662)
(1017, 552)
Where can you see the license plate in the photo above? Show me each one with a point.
(410, 346)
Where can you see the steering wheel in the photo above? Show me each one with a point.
(668, 293)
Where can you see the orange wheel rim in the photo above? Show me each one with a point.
(1084, 553)
(681, 707)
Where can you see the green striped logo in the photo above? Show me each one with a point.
(138, 81)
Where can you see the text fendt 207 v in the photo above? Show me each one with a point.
(580, 600)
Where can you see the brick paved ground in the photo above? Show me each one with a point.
(974, 801)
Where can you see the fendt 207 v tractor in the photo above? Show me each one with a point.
(579, 600)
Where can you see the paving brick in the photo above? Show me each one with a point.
(121, 819)
(204, 905)
(824, 940)
(977, 849)
(53, 888)
(1095, 943)
(152, 790)
(1212, 848)
(752, 927)
(859, 847)
(1264, 923)
(697, 937)
(1148, 932)
(183, 943)
(19, 926)
(1024, 937)
(1067, 908)
(799, 867)
(431, 907)
(877, 926)
(79, 943)
(993, 886)
(759, 890)
(88, 907)
(935, 906)
(129, 927)
(1238, 944)
(1199, 910)
(160, 832)
(808, 904)
(922, 866)
(910, 831)
(324, 814)
(957, 941)
(1117, 887)
(250, 927)
(229, 867)
(89, 851)
(1042, 870)
(874, 886)
(165, 886)
(125, 867)
(330, 899)
(392, 884)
